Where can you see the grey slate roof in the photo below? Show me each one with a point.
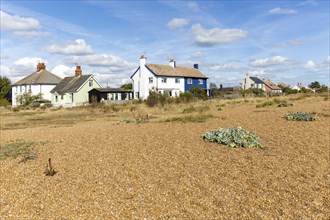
(256, 80)
(166, 70)
(39, 77)
(70, 84)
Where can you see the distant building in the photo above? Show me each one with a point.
(73, 91)
(39, 82)
(253, 82)
(110, 94)
(166, 79)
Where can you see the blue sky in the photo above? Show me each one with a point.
(285, 41)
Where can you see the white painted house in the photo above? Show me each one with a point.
(166, 79)
(252, 82)
(39, 82)
(73, 91)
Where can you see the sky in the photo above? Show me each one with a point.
(285, 41)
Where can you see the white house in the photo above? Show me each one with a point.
(166, 79)
(252, 82)
(73, 91)
(39, 82)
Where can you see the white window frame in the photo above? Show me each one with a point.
(151, 79)
(189, 81)
(177, 80)
(200, 81)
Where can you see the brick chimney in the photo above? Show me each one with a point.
(78, 71)
(40, 66)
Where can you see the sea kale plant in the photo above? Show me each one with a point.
(300, 116)
(233, 137)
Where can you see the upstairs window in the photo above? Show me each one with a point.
(189, 80)
(177, 80)
(90, 83)
(151, 79)
(200, 81)
(164, 80)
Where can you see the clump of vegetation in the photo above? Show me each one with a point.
(28, 156)
(49, 171)
(233, 137)
(264, 104)
(142, 118)
(191, 118)
(14, 149)
(284, 103)
(300, 116)
(200, 109)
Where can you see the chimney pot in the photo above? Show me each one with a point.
(78, 71)
(172, 63)
(41, 66)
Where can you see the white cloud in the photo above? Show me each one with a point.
(258, 72)
(226, 68)
(77, 47)
(63, 71)
(21, 68)
(101, 60)
(177, 23)
(276, 60)
(279, 10)
(310, 65)
(193, 6)
(30, 34)
(197, 55)
(214, 36)
(17, 23)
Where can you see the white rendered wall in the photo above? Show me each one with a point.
(34, 89)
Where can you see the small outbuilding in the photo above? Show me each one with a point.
(109, 94)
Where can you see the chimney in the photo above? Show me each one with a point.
(78, 71)
(172, 63)
(196, 65)
(143, 60)
(41, 66)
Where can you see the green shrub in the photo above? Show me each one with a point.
(185, 97)
(284, 103)
(4, 102)
(300, 116)
(233, 137)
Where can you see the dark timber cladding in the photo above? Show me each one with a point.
(98, 94)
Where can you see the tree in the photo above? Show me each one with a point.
(5, 86)
(314, 85)
(127, 86)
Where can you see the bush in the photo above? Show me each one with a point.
(198, 93)
(300, 116)
(185, 97)
(152, 99)
(4, 102)
(233, 137)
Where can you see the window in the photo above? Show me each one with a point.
(189, 80)
(164, 80)
(177, 80)
(200, 81)
(90, 83)
(61, 97)
(151, 79)
(56, 98)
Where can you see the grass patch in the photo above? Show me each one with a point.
(264, 104)
(187, 119)
(16, 148)
(200, 109)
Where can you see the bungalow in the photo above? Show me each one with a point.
(271, 87)
(166, 79)
(109, 94)
(73, 90)
(39, 82)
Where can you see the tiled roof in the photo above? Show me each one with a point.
(256, 79)
(167, 70)
(272, 85)
(39, 77)
(70, 84)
